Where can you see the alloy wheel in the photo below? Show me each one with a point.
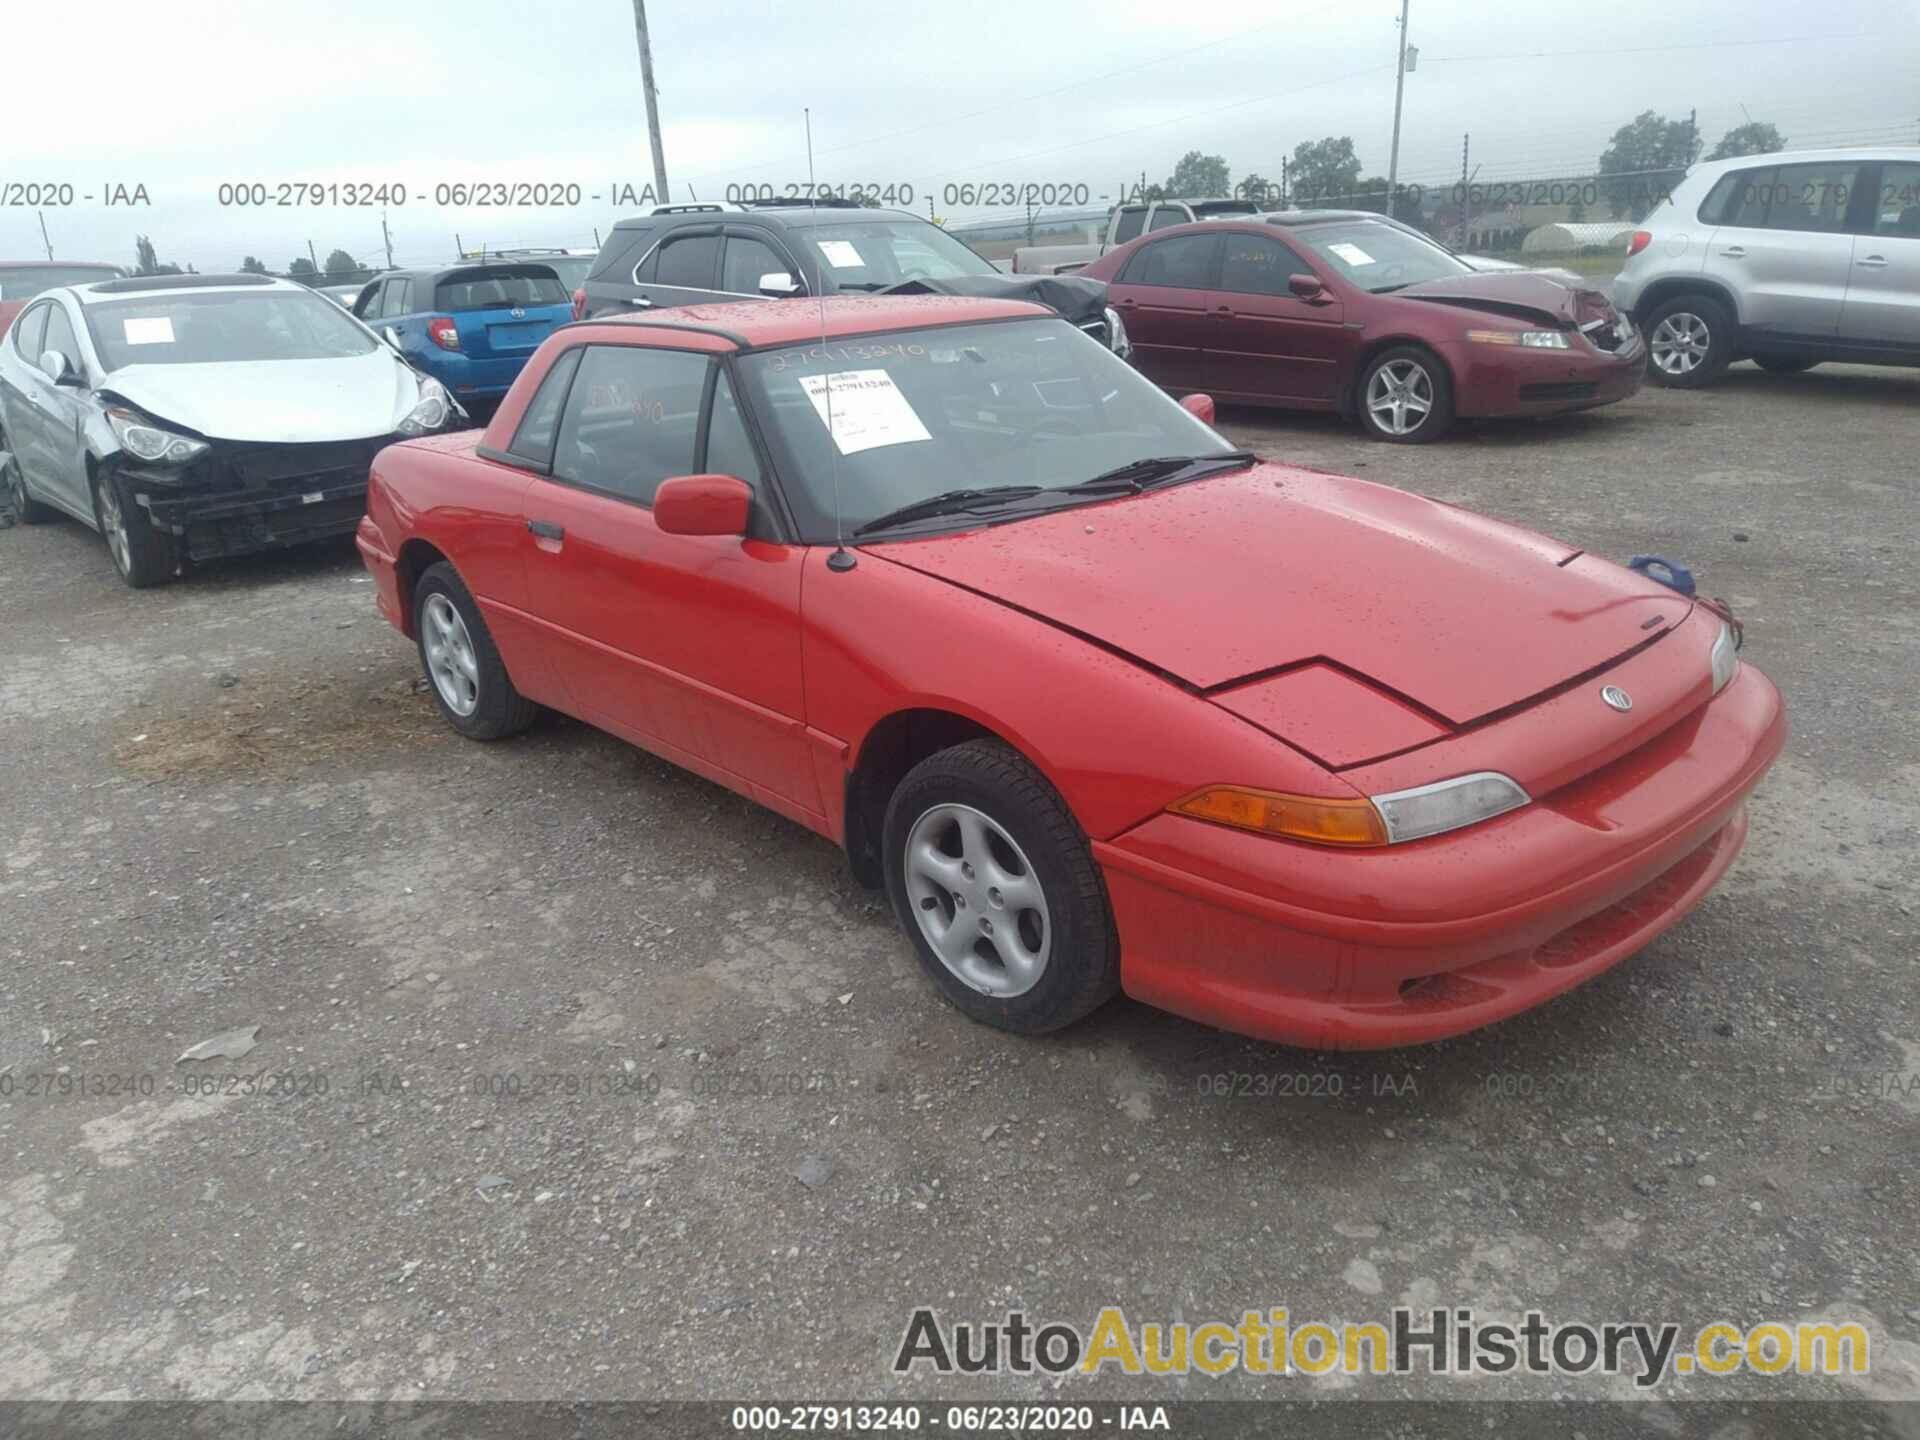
(450, 657)
(113, 525)
(977, 900)
(1400, 396)
(1680, 342)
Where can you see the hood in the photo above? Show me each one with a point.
(1074, 297)
(275, 401)
(1221, 582)
(1558, 298)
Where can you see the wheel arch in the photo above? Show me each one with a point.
(1673, 286)
(1350, 392)
(416, 557)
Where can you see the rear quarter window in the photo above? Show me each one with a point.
(624, 250)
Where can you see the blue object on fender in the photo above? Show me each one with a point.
(1674, 577)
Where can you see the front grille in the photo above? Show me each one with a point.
(245, 533)
(1562, 390)
(318, 466)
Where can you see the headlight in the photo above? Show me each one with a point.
(148, 442)
(1726, 657)
(1526, 339)
(1447, 805)
(1117, 340)
(434, 406)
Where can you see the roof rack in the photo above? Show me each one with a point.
(803, 202)
(696, 208)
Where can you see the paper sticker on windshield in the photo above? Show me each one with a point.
(1350, 253)
(868, 410)
(149, 330)
(841, 255)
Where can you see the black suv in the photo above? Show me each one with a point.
(708, 254)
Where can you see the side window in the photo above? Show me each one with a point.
(1813, 197)
(60, 337)
(1126, 225)
(1168, 215)
(1258, 265)
(631, 419)
(688, 262)
(540, 425)
(398, 300)
(729, 449)
(1896, 206)
(367, 303)
(746, 261)
(1185, 261)
(30, 330)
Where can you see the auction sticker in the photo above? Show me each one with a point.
(866, 407)
(841, 254)
(148, 330)
(1352, 254)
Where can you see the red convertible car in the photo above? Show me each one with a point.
(1340, 310)
(1104, 703)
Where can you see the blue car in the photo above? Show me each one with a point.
(470, 326)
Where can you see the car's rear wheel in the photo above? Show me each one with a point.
(993, 880)
(144, 556)
(469, 680)
(1784, 364)
(1689, 341)
(26, 509)
(1406, 396)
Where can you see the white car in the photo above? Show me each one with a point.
(186, 417)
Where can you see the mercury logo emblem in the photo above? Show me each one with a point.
(1616, 697)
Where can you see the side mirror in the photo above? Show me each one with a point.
(54, 364)
(702, 505)
(1198, 406)
(391, 336)
(778, 285)
(1307, 287)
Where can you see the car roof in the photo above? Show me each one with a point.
(800, 215)
(786, 322)
(97, 291)
(1797, 157)
(441, 272)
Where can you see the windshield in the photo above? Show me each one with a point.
(23, 282)
(873, 254)
(1379, 257)
(211, 326)
(922, 412)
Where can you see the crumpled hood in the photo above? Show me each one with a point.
(1220, 580)
(1558, 297)
(275, 401)
(1074, 297)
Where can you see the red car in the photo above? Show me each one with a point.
(1345, 311)
(21, 280)
(1104, 703)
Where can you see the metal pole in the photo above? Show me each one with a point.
(653, 100)
(1399, 86)
(387, 235)
(43, 233)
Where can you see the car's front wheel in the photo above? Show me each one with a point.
(990, 875)
(1689, 341)
(26, 509)
(144, 556)
(1406, 396)
(470, 682)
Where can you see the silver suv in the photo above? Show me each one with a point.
(1785, 260)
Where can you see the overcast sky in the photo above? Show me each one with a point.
(184, 95)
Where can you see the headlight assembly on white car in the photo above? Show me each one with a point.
(146, 441)
(1726, 657)
(1525, 339)
(434, 406)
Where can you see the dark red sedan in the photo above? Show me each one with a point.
(21, 280)
(1102, 702)
(1344, 311)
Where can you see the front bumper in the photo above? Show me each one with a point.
(1495, 381)
(1441, 936)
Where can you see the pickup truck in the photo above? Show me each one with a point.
(1124, 222)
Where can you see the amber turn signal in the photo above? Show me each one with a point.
(1298, 817)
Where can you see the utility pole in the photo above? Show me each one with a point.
(1399, 86)
(1693, 134)
(313, 257)
(386, 235)
(1286, 195)
(1465, 140)
(652, 98)
(43, 233)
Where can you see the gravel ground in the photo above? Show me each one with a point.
(227, 804)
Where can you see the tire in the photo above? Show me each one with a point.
(1689, 341)
(465, 674)
(980, 813)
(1784, 364)
(144, 556)
(26, 509)
(1423, 379)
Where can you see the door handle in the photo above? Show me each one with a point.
(640, 300)
(1223, 309)
(1875, 262)
(1735, 252)
(546, 530)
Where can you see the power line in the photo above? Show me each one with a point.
(1651, 49)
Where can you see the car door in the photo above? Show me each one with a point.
(688, 645)
(1784, 249)
(20, 389)
(1164, 296)
(684, 269)
(1883, 297)
(751, 254)
(63, 415)
(1268, 343)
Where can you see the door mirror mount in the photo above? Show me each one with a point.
(779, 285)
(54, 366)
(1306, 287)
(702, 505)
(391, 336)
(1198, 406)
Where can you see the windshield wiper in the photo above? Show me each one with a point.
(1138, 475)
(946, 502)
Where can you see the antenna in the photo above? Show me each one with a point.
(842, 559)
